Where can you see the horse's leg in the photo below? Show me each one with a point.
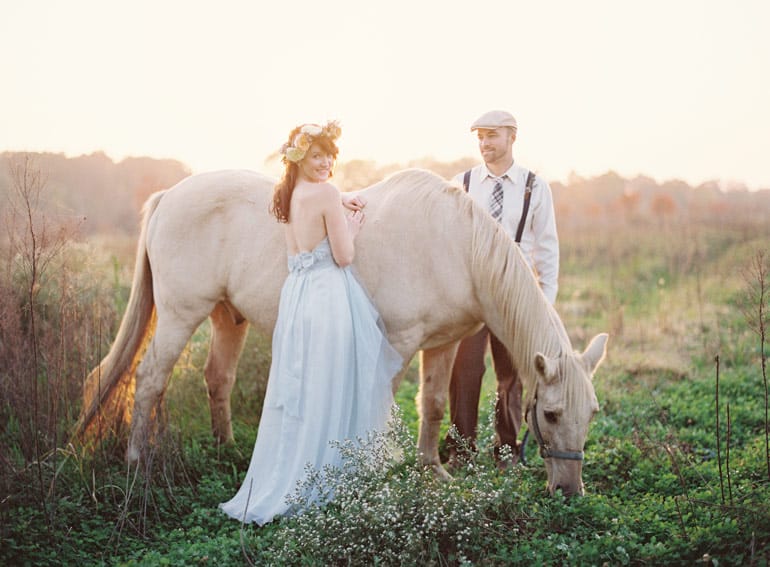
(152, 374)
(227, 338)
(435, 372)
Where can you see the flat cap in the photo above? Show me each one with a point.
(494, 119)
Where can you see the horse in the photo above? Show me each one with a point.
(436, 265)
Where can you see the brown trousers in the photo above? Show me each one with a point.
(465, 391)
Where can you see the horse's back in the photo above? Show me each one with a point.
(212, 238)
(413, 255)
(205, 197)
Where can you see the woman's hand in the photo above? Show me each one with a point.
(354, 203)
(355, 222)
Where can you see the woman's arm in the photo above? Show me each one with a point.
(341, 228)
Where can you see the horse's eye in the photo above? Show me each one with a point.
(551, 416)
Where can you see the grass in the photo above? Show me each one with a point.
(664, 484)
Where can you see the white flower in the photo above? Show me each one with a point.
(312, 129)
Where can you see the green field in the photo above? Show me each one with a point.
(674, 473)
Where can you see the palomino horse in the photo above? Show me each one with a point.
(435, 264)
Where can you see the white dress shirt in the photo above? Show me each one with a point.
(539, 241)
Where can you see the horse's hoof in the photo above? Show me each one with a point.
(441, 473)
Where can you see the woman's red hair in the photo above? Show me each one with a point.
(281, 205)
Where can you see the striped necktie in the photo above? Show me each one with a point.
(496, 201)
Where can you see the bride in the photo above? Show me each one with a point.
(332, 365)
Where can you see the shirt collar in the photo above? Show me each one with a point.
(509, 173)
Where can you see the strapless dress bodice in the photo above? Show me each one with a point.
(318, 257)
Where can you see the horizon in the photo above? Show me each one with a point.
(664, 90)
(570, 179)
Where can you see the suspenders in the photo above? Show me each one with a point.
(525, 207)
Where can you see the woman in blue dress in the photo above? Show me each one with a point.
(332, 365)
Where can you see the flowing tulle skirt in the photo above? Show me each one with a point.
(330, 380)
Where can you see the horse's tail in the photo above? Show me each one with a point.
(109, 388)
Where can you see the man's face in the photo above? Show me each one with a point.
(495, 144)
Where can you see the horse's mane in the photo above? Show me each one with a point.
(420, 186)
(501, 272)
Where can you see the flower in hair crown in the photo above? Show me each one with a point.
(302, 141)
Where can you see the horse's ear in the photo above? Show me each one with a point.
(546, 367)
(595, 352)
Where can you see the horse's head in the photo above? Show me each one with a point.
(559, 410)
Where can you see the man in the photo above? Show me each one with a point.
(500, 186)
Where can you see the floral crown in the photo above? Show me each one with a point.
(296, 149)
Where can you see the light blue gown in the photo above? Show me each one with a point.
(330, 380)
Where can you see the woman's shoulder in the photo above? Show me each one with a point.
(317, 195)
(323, 188)
(328, 189)
(323, 192)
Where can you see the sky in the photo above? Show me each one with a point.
(671, 89)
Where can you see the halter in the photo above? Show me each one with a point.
(545, 450)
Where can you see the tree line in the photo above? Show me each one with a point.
(102, 196)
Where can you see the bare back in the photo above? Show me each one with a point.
(317, 212)
(306, 226)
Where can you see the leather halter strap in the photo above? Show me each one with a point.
(545, 451)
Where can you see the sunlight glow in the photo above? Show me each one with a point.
(665, 89)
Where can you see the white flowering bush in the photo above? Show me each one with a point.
(387, 509)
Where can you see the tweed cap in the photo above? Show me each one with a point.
(494, 119)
